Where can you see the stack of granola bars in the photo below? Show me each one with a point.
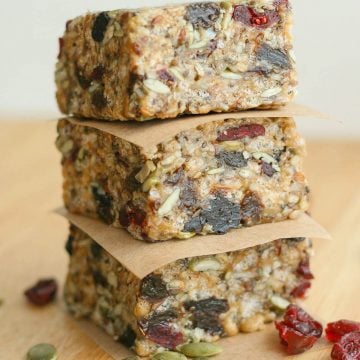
(182, 175)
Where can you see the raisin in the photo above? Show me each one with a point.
(222, 214)
(98, 73)
(260, 20)
(103, 204)
(275, 57)
(300, 290)
(231, 158)
(251, 208)
(304, 269)
(188, 196)
(96, 250)
(128, 337)
(166, 77)
(42, 293)
(240, 132)
(99, 278)
(202, 15)
(153, 288)
(205, 314)
(165, 336)
(133, 80)
(298, 331)
(348, 348)
(156, 319)
(100, 25)
(196, 225)
(82, 80)
(267, 169)
(336, 330)
(69, 245)
(131, 182)
(98, 99)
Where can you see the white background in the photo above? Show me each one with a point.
(326, 41)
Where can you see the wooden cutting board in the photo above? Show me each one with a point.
(32, 242)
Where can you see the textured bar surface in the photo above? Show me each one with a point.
(190, 300)
(163, 62)
(221, 175)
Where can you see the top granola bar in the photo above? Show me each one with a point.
(187, 59)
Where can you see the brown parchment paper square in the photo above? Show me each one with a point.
(142, 258)
(151, 133)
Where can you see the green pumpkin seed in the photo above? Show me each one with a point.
(201, 349)
(169, 355)
(42, 352)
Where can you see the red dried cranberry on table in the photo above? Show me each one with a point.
(42, 293)
(298, 331)
(348, 348)
(336, 330)
(304, 269)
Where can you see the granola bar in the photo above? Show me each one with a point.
(191, 300)
(219, 176)
(167, 61)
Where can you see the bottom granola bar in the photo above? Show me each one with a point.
(191, 300)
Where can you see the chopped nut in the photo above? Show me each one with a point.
(169, 203)
(204, 264)
(293, 199)
(176, 72)
(66, 147)
(279, 303)
(231, 75)
(219, 170)
(233, 145)
(149, 183)
(199, 44)
(145, 171)
(295, 214)
(184, 235)
(252, 324)
(271, 92)
(156, 86)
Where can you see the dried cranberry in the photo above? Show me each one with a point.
(203, 14)
(301, 289)
(153, 288)
(61, 46)
(132, 215)
(267, 169)
(231, 158)
(100, 25)
(298, 331)
(42, 293)
(274, 57)
(261, 20)
(98, 73)
(251, 208)
(304, 269)
(205, 314)
(166, 77)
(240, 132)
(165, 335)
(348, 348)
(336, 330)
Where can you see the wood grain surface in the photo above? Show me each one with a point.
(32, 242)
